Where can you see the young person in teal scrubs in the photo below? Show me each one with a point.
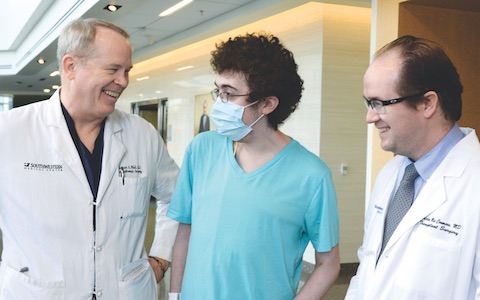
(250, 198)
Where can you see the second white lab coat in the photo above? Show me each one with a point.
(434, 252)
(46, 208)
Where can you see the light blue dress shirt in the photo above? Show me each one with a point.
(428, 163)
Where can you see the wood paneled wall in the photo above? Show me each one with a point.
(458, 32)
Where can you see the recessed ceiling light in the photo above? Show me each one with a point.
(112, 7)
(46, 90)
(54, 73)
(41, 61)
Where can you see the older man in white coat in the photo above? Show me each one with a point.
(413, 94)
(76, 179)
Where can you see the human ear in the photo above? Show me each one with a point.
(430, 103)
(68, 66)
(269, 104)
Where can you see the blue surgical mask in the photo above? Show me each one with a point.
(227, 117)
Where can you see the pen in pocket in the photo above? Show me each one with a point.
(122, 174)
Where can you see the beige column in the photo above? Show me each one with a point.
(384, 29)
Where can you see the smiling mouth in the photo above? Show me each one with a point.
(382, 130)
(111, 93)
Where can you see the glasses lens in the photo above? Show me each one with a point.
(377, 106)
(214, 94)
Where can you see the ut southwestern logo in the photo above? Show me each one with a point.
(42, 167)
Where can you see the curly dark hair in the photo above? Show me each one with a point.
(269, 68)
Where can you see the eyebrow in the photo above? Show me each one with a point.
(225, 86)
(119, 66)
(371, 99)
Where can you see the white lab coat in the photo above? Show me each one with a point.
(434, 252)
(46, 208)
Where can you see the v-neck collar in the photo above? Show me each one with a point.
(238, 169)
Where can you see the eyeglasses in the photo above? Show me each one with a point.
(224, 96)
(378, 106)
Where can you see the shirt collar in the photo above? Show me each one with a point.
(428, 163)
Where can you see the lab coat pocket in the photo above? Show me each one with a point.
(133, 199)
(428, 269)
(20, 286)
(137, 281)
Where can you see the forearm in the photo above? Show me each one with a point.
(165, 233)
(323, 277)
(180, 251)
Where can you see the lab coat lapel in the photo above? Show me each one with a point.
(62, 142)
(433, 193)
(113, 152)
(430, 198)
(381, 206)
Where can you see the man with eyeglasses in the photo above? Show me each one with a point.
(249, 197)
(422, 228)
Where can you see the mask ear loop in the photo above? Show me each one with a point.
(235, 144)
(255, 122)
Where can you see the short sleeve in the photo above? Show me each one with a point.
(181, 204)
(321, 219)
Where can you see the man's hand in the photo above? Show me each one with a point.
(159, 266)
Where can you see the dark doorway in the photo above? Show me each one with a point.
(154, 111)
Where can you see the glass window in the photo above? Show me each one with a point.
(6, 102)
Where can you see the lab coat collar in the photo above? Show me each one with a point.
(433, 193)
(62, 143)
(113, 152)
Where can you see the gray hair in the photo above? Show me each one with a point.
(78, 36)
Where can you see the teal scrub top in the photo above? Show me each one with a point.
(250, 230)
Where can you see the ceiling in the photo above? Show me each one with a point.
(38, 25)
(23, 75)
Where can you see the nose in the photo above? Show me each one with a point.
(122, 80)
(371, 116)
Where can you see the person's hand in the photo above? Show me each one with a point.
(159, 266)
